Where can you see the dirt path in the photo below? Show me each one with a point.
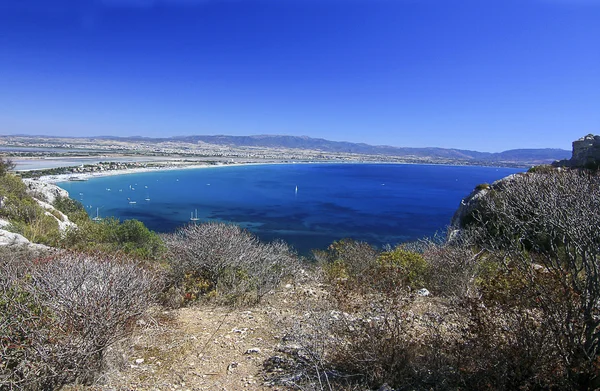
(201, 348)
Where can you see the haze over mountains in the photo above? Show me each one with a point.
(546, 155)
(283, 148)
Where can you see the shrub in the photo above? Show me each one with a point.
(130, 237)
(411, 267)
(63, 312)
(72, 208)
(346, 258)
(227, 260)
(6, 165)
(543, 169)
(550, 222)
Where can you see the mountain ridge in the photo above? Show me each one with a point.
(524, 156)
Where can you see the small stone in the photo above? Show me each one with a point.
(423, 292)
(232, 366)
(139, 361)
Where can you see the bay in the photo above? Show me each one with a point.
(307, 205)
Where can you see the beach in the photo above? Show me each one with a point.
(97, 174)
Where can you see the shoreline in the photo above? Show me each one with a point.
(60, 178)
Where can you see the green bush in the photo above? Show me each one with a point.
(543, 169)
(346, 259)
(411, 267)
(130, 237)
(72, 208)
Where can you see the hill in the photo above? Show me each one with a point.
(522, 156)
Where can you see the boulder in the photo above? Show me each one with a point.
(63, 220)
(49, 191)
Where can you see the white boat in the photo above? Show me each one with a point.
(97, 218)
(296, 190)
(194, 217)
(131, 202)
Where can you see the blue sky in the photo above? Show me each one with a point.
(487, 75)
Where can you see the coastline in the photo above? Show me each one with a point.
(90, 175)
(186, 166)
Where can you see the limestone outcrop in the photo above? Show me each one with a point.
(48, 191)
(469, 204)
(44, 194)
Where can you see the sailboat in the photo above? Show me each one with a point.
(194, 217)
(97, 218)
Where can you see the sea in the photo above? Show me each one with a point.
(307, 205)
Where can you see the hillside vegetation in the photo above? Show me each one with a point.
(510, 300)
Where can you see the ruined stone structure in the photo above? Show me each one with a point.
(586, 152)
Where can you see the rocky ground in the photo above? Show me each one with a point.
(204, 347)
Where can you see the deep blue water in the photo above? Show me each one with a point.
(378, 203)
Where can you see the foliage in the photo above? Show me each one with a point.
(27, 217)
(130, 237)
(551, 220)
(542, 169)
(346, 259)
(410, 266)
(227, 261)
(72, 208)
(6, 165)
(60, 314)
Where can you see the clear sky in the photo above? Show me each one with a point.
(487, 75)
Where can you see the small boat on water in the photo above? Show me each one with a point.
(194, 217)
(131, 202)
(97, 218)
(77, 179)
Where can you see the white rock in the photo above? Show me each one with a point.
(253, 351)
(12, 239)
(63, 222)
(139, 361)
(49, 190)
(423, 292)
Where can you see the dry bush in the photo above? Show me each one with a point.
(455, 265)
(399, 340)
(64, 312)
(508, 342)
(226, 261)
(551, 220)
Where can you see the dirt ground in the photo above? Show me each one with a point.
(202, 347)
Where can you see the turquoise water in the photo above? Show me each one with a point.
(378, 203)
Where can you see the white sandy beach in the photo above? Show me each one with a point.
(98, 174)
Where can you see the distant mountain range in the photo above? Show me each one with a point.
(521, 157)
(524, 156)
